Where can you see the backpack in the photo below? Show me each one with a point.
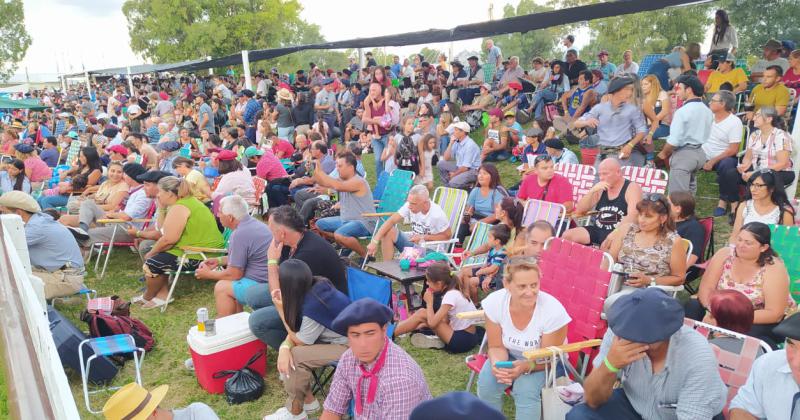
(407, 155)
(102, 325)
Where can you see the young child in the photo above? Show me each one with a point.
(429, 147)
(487, 276)
(453, 334)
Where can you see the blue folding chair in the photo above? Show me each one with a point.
(107, 346)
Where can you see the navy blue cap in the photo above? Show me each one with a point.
(645, 316)
(133, 170)
(459, 405)
(23, 148)
(169, 146)
(152, 176)
(249, 93)
(327, 81)
(359, 312)
(789, 327)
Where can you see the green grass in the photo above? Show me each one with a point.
(164, 365)
(3, 394)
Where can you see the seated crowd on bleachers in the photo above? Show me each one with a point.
(264, 192)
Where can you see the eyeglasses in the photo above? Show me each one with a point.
(542, 158)
(522, 260)
(758, 186)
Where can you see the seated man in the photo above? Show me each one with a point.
(534, 238)
(722, 147)
(560, 154)
(667, 370)
(54, 254)
(772, 57)
(580, 99)
(245, 265)
(146, 238)
(168, 151)
(355, 199)
(772, 386)
(483, 103)
(467, 155)
(134, 402)
(771, 92)
(355, 126)
(515, 100)
(495, 150)
(137, 206)
(393, 382)
(302, 188)
(614, 199)
(469, 88)
(428, 223)
(543, 183)
(727, 72)
(512, 73)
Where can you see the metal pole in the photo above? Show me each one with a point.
(88, 85)
(130, 80)
(360, 58)
(246, 65)
(210, 70)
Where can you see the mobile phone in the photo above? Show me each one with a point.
(504, 364)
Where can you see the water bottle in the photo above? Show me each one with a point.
(202, 317)
(186, 151)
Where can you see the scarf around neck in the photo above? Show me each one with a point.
(372, 377)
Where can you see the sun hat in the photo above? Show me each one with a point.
(133, 402)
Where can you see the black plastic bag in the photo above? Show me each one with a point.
(244, 385)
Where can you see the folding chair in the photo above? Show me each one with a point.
(786, 242)
(360, 284)
(479, 237)
(553, 213)
(673, 290)
(652, 181)
(256, 205)
(380, 186)
(581, 177)
(734, 367)
(648, 61)
(694, 272)
(393, 196)
(453, 201)
(118, 224)
(107, 346)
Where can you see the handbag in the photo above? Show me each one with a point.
(244, 384)
(553, 406)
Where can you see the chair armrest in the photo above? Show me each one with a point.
(111, 221)
(442, 242)
(669, 289)
(470, 315)
(140, 220)
(376, 214)
(200, 249)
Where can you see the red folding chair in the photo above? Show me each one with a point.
(118, 224)
(695, 271)
(581, 177)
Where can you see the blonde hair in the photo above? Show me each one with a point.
(519, 264)
(175, 185)
(446, 118)
(655, 89)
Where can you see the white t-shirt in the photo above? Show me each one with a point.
(548, 317)
(723, 133)
(459, 304)
(435, 221)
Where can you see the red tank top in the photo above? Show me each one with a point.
(378, 112)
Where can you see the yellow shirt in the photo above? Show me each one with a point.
(196, 180)
(775, 96)
(717, 79)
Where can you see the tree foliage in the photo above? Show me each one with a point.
(15, 39)
(756, 22)
(172, 30)
(538, 43)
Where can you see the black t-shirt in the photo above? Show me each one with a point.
(692, 230)
(573, 70)
(321, 258)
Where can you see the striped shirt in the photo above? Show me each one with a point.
(689, 386)
(770, 388)
(401, 387)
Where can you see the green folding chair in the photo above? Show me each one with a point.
(453, 201)
(478, 238)
(786, 242)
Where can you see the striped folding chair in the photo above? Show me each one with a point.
(453, 201)
(479, 237)
(786, 242)
(553, 213)
(648, 61)
(256, 205)
(581, 177)
(118, 224)
(652, 180)
(102, 347)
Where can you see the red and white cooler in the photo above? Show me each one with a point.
(229, 349)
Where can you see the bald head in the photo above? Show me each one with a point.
(610, 171)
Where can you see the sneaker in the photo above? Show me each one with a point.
(284, 414)
(311, 407)
(423, 341)
(719, 212)
(189, 364)
(79, 234)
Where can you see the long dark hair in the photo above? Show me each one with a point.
(722, 27)
(92, 159)
(762, 234)
(296, 281)
(494, 175)
(20, 179)
(658, 204)
(514, 210)
(440, 272)
(777, 194)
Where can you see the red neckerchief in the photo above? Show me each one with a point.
(372, 377)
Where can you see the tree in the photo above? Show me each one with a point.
(645, 33)
(15, 39)
(172, 30)
(538, 43)
(756, 22)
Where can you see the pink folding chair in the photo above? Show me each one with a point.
(118, 224)
(581, 177)
(553, 213)
(259, 185)
(652, 180)
(734, 368)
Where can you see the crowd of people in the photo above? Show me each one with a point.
(182, 162)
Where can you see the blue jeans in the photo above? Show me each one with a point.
(286, 133)
(265, 322)
(402, 242)
(277, 194)
(53, 201)
(467, 95)
(444, 141)
(526, 391)
(661, 132)
(351, 228)
(377, 149)
(539, 99)
(498, 156)
(617, 407)
(240, 288)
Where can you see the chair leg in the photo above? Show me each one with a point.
(174, 282)
(470, 380)
(99, 255)
(110, 247)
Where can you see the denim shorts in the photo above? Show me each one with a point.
(240, 288)
(402, 241)
(352, 228)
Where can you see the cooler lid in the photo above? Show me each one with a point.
(232, 331)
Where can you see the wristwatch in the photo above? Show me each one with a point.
(652, 281)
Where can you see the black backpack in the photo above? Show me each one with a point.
(407, 155)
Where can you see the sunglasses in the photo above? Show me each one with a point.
(542, 158)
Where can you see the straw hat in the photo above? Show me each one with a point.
(285, 94)
(132, 402)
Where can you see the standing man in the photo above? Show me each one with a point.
(689, 131)
(567, 42)
(494, 57)
(574, 67)
(325, 103)
(205, 116)
(382, 379)
(249, 115)
(467, 155)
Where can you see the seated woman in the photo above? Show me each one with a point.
(36, 169)
(765, 202)
(108, 196)
(234, 179)
(686, 224)
(307, 305)
(512, 328)
(752, 267)
(768, 147)
(88, 164)
(731, 310)
(650, 251)
(197, 181)
(186, 222)
(509, 212)
(12, 177)
(482, 200)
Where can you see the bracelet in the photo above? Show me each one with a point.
(531, 366)
(138, 232)
(609, 366)
(272, 262)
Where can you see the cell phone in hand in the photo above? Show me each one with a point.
(504, 364)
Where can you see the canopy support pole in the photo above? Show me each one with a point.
(360, 60)
(88, 85)
(248, 83)
(210, 70)
(130, 81)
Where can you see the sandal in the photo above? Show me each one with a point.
(138, 299)
(155, 303)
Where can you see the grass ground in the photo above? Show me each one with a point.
(164, 365)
